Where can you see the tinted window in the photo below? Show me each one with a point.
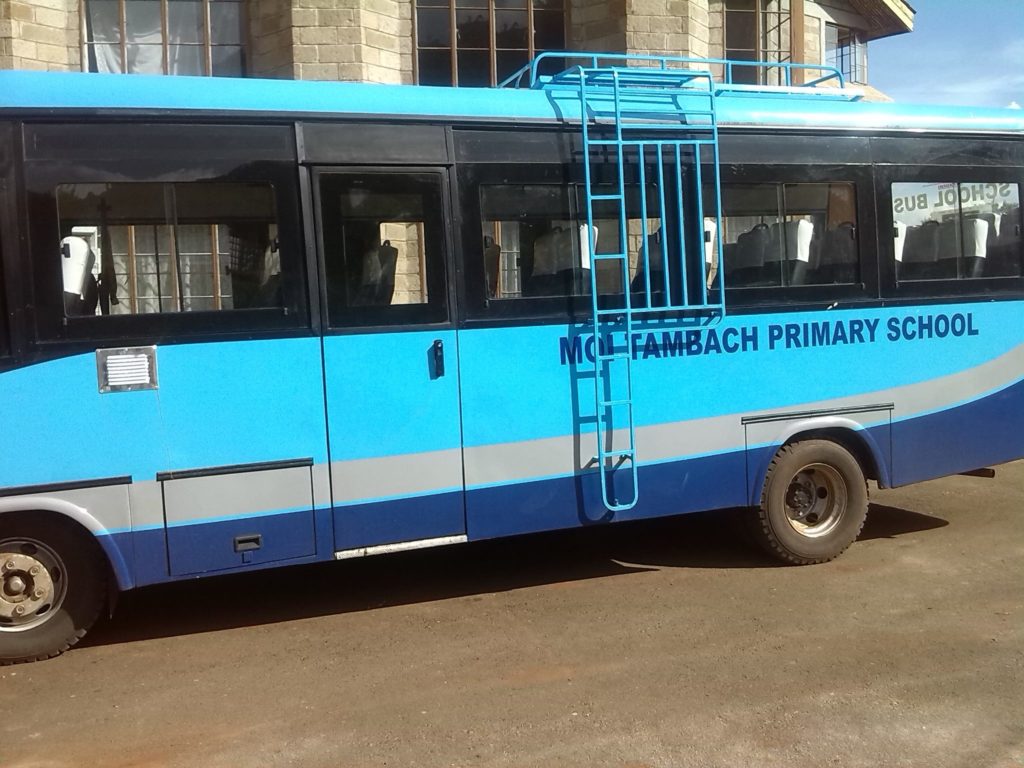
(532, 243)
(956, 231)
(148, 248)
(781, 235)
(384, 248)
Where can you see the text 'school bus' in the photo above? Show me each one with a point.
(247, 324)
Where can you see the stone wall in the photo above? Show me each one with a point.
(369, 40)
(597, 25)
(270, 53)
(39, 34)
(673, 27)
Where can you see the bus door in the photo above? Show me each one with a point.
(390, 359)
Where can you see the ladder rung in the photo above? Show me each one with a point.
(605, 312)
(607, 256)
(606, 197)
(624, 452)
(614, 356)
(613, 403)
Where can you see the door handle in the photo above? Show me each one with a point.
(438, 358)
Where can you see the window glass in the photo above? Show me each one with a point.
(847, 51)
(490, 40)
(177, 37)
(956, 230)
(535, 242)
(145, 248)
(780, 235)
(757, 30)
(383, 239)
(531, 242)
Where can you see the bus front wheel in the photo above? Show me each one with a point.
(52, 586)
(813, 504)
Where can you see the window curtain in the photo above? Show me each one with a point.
(144, 36)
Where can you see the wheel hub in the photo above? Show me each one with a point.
(816, 500)
(26, 588)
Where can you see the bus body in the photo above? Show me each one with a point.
(246, 324)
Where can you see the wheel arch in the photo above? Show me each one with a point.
(82, 520)
(851, 435)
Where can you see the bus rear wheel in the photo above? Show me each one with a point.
(813, 504)
(52, 586)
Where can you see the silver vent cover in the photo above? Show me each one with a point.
(126, 369)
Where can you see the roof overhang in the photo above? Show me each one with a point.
(885, 17)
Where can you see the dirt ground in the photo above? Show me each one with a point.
(666, 644)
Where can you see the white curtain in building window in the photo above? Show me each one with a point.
(144, 36)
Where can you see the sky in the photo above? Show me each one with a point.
(967, 52)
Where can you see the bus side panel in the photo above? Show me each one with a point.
(255, 403)
(893, 378)
(528, 419)
(987, 431)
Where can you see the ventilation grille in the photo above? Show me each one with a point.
(126, 370)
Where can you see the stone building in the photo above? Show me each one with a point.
(468, 42)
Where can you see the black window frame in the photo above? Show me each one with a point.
(224, 158)
(774, 298)
(437, 312)
(6, 345)
(9, 247)
(965, 288)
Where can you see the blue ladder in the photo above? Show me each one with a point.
(640, 112)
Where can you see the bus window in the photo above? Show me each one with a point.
(384, 248)
(535, 242)
(531, 241)
(147, 248)
(956, 231)
(782, 235)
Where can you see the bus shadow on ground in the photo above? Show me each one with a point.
(704, 540)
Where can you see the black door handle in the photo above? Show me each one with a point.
(438, 358)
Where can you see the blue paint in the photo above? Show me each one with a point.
(519, 371)
(928, 446)
(400, 519)
(218, 404)
(52, 90)
(209, 547)
(384, 399)
(977, 434)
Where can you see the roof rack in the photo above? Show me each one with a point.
(555, 69)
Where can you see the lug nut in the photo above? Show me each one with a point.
(19, 609)
(9, 565)
(34, 570)
(38, 594)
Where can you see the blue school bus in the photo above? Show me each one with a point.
(247, 324)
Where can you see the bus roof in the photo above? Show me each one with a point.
(737, 106)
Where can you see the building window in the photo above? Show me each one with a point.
(847, 50)
(169, 37)
(481, 42)
(757, 30)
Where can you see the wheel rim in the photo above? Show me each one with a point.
(33, 583)
(816, 500)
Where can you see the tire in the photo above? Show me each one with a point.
(53, 585)
(813, 504)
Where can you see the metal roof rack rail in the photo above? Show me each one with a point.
(562, 69)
